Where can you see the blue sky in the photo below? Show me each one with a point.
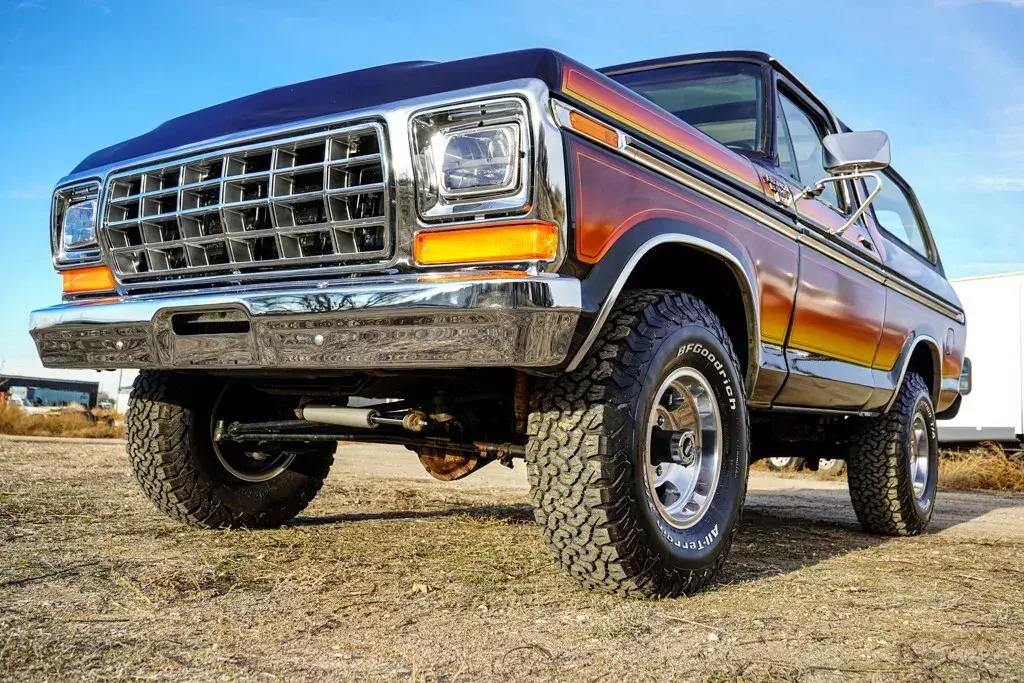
(945, 79)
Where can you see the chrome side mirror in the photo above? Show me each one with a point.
(851, 152)
(853, 156)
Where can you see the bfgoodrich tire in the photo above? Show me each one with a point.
(169, 424)
(638, 459)
(893, 464)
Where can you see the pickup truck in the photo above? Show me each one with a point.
(639, 279)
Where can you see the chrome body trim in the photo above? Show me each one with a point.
(811, 236)
(508, 110)
(905, 355)
(548, 191)
(562, 111)
(461, 320)
(84, 257)
(751, 304)
(821, 411)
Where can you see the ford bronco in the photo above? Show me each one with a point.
(638, 279)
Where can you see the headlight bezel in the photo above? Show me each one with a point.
(83, 252)
(429, 127)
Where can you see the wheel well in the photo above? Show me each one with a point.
(924, 362)
(694, 271)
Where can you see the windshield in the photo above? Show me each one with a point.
(721, 99)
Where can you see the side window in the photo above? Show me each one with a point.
(895, 213)
(799, 143)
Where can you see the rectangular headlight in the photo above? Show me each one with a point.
(74, 217)
(472, 159)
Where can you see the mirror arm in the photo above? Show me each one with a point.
(819, 187)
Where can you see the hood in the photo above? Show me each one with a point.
(333, 95)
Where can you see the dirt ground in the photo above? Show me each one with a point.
(391, 576)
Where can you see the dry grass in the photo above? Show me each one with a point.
(409, 580)
(17, 422)
(987, 467)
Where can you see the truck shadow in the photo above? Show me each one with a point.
(786, 530)
(781, 531)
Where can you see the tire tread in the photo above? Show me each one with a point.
(579, 466)
(159, 423)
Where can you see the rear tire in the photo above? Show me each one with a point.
(662, 371)
(171, 448)
(785, 464)
(893, 464)
(832, 467)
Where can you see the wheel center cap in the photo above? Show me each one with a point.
(684, 447)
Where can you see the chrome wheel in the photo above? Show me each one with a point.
(920, 456)
(239, 461)
(683, 448)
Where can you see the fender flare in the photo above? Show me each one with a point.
(744, 277)
(903, 363)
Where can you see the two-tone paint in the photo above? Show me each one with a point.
(830, 323)
(837, 319)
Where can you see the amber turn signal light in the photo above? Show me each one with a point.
(526, 241)
(92, 279)
(593, 129)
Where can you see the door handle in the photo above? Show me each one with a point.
(865, 242)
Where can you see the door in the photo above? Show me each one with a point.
(840, 299)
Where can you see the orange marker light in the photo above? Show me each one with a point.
(593, 129)
(92, 279)
(527, 241)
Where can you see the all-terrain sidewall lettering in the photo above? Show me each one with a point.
(698, 546)
(924, 514)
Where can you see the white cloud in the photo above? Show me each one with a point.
(29, 4)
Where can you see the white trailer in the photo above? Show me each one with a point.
(994, 408)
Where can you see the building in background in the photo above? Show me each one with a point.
(40, 391)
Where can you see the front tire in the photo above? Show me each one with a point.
(893, 464)
(169, 425)
(638, 459)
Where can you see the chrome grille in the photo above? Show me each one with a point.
(307, 201)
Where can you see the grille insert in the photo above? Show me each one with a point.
(307, 201)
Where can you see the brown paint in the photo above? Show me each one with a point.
(838, 311)
(835, 311)
(613, 195)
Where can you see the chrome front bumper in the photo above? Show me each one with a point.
(461, 320)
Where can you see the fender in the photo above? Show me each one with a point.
(914, 339)
(742, 271)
